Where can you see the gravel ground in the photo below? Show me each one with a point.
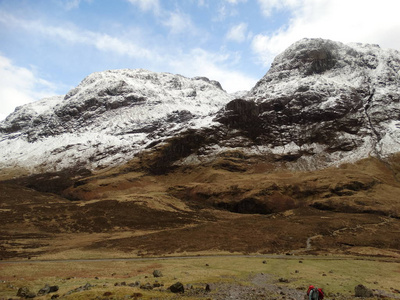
(262, 286)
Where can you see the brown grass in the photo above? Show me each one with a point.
(195, 209)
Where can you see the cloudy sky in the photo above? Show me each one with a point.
(48, 46)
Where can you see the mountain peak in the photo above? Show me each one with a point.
(108, 118)
(322, 103)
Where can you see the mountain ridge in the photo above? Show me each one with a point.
(322, 103)
(137, 163)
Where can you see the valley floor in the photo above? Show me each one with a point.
(203, 277)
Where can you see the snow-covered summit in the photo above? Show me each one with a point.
(107, 118)
(334, 101)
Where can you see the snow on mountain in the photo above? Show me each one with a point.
(106, 119)
(325, 103)
(321, 103)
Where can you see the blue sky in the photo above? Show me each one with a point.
(48, 46)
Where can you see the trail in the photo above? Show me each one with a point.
(385, 220)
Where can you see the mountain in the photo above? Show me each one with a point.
(321, 103)
(107, 119)
(133, 162)
(324, 103)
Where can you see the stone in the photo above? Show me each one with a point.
(157, 273)
(177, 288)
(362, 291)
(156, 284)
(47, 289)
(146, 286)
(24, 292)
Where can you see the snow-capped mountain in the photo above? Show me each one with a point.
(321, 103)
(107, 119)
(324, 103)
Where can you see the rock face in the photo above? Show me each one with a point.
(322, 103)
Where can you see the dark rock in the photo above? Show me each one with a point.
(157, 273)
(86, 287)
(146, 286)
(209, 287)
(179, 116)
(177, 288)
(24, 292)
(137, 295)
(362, 291)
(285, 280)
(47, 290)
(157, 284)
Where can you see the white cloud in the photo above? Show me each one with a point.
(237, 33)
(234, 2)
(100, 41)
(72, 4)
(341, 20)
(227, 8)
(147, 5)
(268, 6)
(19, 86)
(178, 22)
(199, 62)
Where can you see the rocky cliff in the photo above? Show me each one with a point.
(321, 103)
(324, 103)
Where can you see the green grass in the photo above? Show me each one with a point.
(333, 275)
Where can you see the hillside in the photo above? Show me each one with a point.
(137, 163)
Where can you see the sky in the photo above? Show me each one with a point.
(48, 47)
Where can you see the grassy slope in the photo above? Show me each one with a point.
(128, 212)
(334, 275)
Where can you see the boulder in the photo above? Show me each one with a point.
(362, 291)
(209, 287)
(157, 273)
(24, 292)
(177, 288)
(146, 286)
(47, 289)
